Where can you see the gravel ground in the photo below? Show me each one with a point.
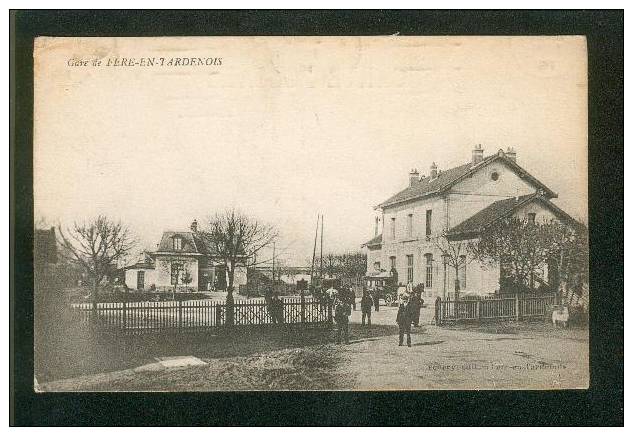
(496, 356)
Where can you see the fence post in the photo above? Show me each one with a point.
(124, 316)
(179, 315)
(516, 306)
(478, 309)
(303, 307)
(438, 311)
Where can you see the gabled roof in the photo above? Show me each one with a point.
(144, 261)
(448, 178)
(191, 244)
(472, 226)
(376, 241)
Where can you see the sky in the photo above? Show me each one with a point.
(287, 128)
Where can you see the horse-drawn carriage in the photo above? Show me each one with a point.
(382, 285)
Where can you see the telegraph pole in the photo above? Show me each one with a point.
(273, 267)
(316, 233)
(321, 269)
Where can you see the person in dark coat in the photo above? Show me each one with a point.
(417, 302)
(275, 307)
(376, 294)
(342, 311)
(270, 306)
(403, 319)
(365, 307)
(438, 304)
(279, 309)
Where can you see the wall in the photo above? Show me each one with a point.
(416, 244)
(462, 205)
(374, 255)
(543, 214)
(467, 198)
(418, 209)
(163, 270)
(131, 276)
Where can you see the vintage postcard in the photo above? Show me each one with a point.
(310, 213)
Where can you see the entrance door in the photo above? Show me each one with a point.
(140, 280)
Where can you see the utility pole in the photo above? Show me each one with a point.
(321, 269)
(273, 267)
(316, 233)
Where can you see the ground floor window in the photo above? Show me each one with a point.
(410, 268)
(176, 268)
(429, 271)
(140, 280)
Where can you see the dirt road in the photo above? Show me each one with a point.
(501, 356)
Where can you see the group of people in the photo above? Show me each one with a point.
(275, 307)
(408, 312)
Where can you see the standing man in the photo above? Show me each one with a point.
(352, 297)
(416, 302)
(403, 319)
(438, 303)
(365, 307)
(342, 312)
(376, 293)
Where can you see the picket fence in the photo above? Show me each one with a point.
(505, 307)
(129, 318)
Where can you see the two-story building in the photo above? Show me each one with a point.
(461, 201)
(184, 260)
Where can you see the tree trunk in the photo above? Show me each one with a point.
(95, 295)
(456, 282)
(229, 295)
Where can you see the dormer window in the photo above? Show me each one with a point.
(177, 243)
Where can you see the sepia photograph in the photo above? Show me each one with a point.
(371, 213)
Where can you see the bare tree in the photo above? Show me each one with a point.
(522, 248)
(236, 237)
(96, 246)
(573, 262)
(331, 264)
(454, 255)
(353, 264)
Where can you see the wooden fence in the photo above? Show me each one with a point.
(130, 318)
(505, 307)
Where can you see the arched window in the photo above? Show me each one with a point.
(429, 271)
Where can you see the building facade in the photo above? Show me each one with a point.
(458, 202)
(183, 260)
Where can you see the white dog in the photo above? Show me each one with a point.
(560, 314)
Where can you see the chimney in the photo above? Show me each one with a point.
(194, 226)
(478, 154)
(510, 153)
(414, 177)
(433, 171)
